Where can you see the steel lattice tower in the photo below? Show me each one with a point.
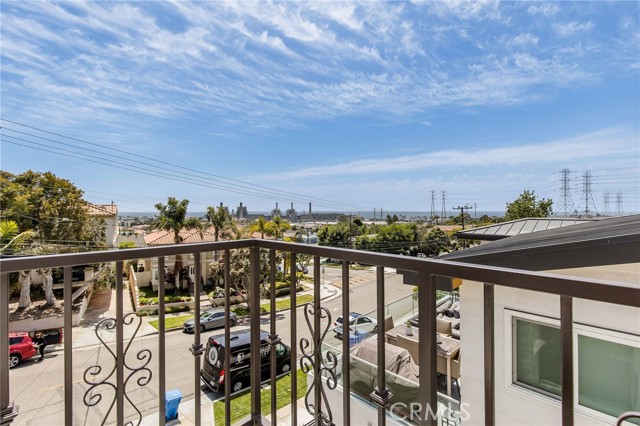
(619, 211)
(586, 191)
(566, 203)
(444, 206)
(433, 205)
(606, 211)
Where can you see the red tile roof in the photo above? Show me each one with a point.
(102, 209)
(159, 238)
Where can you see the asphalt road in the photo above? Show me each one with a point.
(38, 387)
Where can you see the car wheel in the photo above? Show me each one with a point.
(232, 323)
(202, 328)
(13, 360)
(285, 368)
(375, 329)
(237, 385)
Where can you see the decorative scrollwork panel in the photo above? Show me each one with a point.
(322, 365)
(136, 370)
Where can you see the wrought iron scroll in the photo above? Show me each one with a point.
(326, 367)
(140, 373)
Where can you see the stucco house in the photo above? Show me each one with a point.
(606, 337)
(108, 213)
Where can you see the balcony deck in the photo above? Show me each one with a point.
(322, 365)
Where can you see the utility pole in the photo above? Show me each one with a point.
(462, 209)
(444, 208)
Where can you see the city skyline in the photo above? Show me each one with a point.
(349, 106)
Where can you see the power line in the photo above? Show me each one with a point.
(241, 186)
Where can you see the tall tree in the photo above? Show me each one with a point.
(51, 206)
(220, 219)
(173, 217)
(527, 205)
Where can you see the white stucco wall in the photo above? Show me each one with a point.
(514, 405)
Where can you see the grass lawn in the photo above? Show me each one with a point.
(286, 303)
(171, 322)
(280, 304)
(241, 403)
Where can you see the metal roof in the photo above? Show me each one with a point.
(498, 231)
(601, 242)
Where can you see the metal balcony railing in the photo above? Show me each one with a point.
(305, 351)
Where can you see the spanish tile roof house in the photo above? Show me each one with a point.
(108, 213)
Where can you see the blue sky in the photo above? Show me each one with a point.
(348, 105)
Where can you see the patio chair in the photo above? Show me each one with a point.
(412, 346)
(455, 369)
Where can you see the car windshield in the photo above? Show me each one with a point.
(204, 315)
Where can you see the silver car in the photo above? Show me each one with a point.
(213, 318)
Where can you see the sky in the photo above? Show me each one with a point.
(348, 105)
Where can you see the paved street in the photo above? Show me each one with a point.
(38, 387)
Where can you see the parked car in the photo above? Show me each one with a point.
(357, 323)
(213, 373)
(20, 347)
(213, 318)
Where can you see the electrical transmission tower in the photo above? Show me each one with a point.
(606, 211)
(566, 203)
(433, 206)
(619, 211)
(444, 206)
(586, 191)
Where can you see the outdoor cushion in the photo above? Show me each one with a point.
(444, 306)
(456, 314)
(443, 327)
(449, 313)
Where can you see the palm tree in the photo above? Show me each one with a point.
(260, 225)
(11, 238)
(279, 225)
(220, 219)
(173, 217)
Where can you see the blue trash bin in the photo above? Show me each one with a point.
(172, 401)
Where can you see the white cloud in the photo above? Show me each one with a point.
(582, 146)
(524, 39)
(572, 27)
(544, 8)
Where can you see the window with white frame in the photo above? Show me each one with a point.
(606, 364)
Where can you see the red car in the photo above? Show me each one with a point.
(20, 347)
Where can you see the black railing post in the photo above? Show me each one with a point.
(162, 371)
(346, 358)
(68, 346)
(566, 335)
(8, 411)
(294, 340)
(197, 348)
(119, 345)
(254, 314)
(227, 338)
(380, 395)
(428, 361)
(489, 356)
